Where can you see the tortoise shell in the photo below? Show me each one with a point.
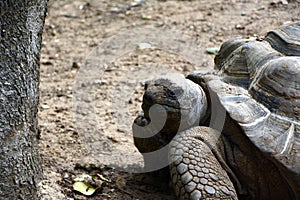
(259, 86)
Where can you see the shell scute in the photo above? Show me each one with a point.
(286, 39)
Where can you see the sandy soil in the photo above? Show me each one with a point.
(95, 58)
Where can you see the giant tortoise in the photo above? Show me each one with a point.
(233, 133)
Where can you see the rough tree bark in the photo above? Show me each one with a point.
(21, 25)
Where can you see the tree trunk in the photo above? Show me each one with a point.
(21, 25)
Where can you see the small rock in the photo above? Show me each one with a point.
(283, 2)
(122, 129)
(192, 27)
(66, 175)
(146, 17)
(239, 27)
(144, 45)
(100, 82)
(44, 106)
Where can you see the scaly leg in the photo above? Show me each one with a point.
(197, 168)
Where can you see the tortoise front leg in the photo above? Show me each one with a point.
(196, 168)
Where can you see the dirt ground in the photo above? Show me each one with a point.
(92, 79)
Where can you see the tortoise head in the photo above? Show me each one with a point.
(183, 102)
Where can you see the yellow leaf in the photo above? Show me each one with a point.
(84, 188)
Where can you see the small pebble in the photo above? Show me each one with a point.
(44, 106)
(239, 27)
(143, 45)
